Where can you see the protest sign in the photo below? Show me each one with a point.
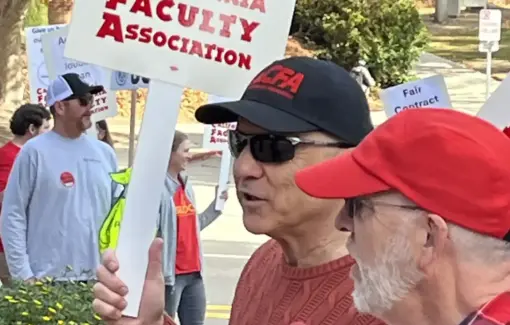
(428, 92)
(216, 138)
(53, 44)
(37, 73)
(190, 43)
(127, 81)
(495, 109)
(139, 222)
(213, 46)
(216, 135)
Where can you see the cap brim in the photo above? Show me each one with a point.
(262, 115)
(94, 90)
(340, 178)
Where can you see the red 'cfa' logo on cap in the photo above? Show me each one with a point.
(279, 79)
(67, 179)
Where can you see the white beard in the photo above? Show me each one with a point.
(391, 276)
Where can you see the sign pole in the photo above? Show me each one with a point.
(489, 35)
(132, 126)
(488, 70)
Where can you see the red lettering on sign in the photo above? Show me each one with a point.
(191, 47)
(111, 26)
(219, 134)
(259, 5)
(41, 95)
(99, 109)
(279, 79)
(187, 16)
(112, 4)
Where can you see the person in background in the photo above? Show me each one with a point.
(431, 237)
(103, 133)
(28, 121)
(295, 113)
(59, 191)
(180, 227)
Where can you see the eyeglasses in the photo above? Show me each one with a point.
(271, 148)
(84, 100)
(354, 206)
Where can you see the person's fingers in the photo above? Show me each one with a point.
(111, 281)
(154, 269)
(102, 293)
(106, 311)
(110, 260)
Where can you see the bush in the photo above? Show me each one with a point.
(47, 302)
(388, 34)
(37, 14)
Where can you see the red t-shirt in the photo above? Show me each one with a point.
(8, 154)
(187, 257)
(270, 291)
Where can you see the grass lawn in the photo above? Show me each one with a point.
(457, 40)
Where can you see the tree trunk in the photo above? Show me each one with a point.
(59, 11)
(12, 13)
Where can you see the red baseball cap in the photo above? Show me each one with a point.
(449, 163)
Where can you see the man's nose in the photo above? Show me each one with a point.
(245, 166)
(344, 222)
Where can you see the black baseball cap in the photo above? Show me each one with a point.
(69, 86)
(297, 95)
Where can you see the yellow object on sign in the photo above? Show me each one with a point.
(109, 232)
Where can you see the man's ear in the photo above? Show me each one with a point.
(434, 244)
(59, 108)
(32, 130)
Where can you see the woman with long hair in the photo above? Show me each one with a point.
(179, 226)
(103, 133)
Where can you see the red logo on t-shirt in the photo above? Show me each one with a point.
(67, 179)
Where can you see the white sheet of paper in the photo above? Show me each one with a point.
(159, 44)
(496, 109)
(427, 92)
(53, 44)
(139, 223)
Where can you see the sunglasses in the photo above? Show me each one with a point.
(84, 100)
(354, 206)
(271, 148)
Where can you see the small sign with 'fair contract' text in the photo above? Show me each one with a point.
(430, 92)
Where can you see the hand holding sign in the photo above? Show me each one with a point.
(110, 288)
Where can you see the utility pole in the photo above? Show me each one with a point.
(441, 14)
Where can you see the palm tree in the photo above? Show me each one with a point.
(59, 11)
(12, 13)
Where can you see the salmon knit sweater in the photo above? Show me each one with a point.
(270, 292)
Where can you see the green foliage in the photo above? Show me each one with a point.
(388, 34)
(37, 14)
(47, 302)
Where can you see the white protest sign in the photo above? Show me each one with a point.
(489, 29)
(139, 222)
(216, 138)
(53, 44)
(192, 43)
(428, 92)
(216, 135)
(37, 74)
(496, 110)
(127, 81)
